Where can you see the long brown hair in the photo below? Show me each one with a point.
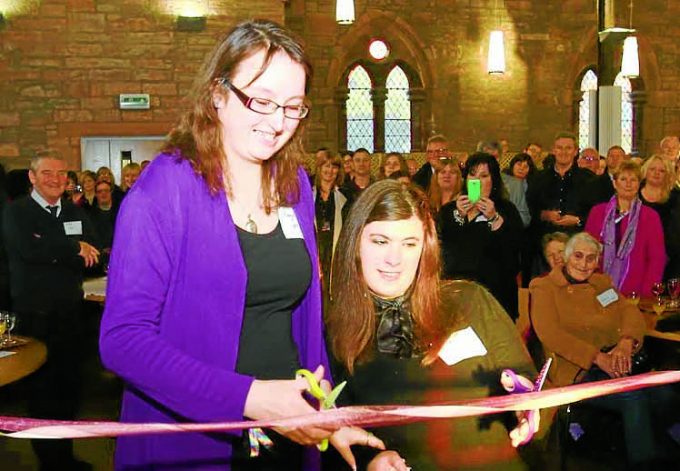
(198, 136)
(351, 318)
(402, 164)
(435, 192)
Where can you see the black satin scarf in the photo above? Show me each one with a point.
(395, 327)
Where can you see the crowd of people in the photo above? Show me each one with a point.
(232, 268)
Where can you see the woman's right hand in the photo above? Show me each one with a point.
(388, 461)
(344, 438)
(463, 205)
(284, 398)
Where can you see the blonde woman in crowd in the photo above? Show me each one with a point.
(658, 185)
(130, 174)
(446, 185)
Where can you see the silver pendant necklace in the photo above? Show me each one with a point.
(250, 225)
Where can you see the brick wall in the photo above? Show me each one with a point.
(64, 62)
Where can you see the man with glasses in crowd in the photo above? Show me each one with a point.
(589, 160)
(437, 150)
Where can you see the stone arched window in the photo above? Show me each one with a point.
(359, 110)
(627, 112)
(380, 107)
(587, 121)
(397, 112)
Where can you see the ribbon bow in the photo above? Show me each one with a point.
(395, 327)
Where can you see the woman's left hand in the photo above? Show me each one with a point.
(344, 438)
(622, 356)
(487, 207)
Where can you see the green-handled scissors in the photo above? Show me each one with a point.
(327, 401)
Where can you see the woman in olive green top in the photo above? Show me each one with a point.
(398, 339)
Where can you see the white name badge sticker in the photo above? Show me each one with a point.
(73, 228)
(289, 223)
(607, 297)
(461, 345)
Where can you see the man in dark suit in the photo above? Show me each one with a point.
(49, 242)
(437, 150)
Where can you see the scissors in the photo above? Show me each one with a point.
(516, 384)
(326, 401)
(258, 438)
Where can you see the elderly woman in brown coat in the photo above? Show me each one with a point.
(592, 332)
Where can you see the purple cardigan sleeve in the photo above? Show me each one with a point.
(135, 339)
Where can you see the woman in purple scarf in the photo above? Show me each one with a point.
(213, 297)
(634, 254)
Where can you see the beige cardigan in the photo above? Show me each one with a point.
(573, 326)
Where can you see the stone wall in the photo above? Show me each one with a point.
(64, 62)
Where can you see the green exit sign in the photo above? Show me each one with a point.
(134, 101)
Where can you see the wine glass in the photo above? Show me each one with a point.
(10, 321)
(634, 298)
(659, 306)
(3, 329)
(658, 289)
(674, 290)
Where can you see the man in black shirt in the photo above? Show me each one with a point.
(559, 196)
(352, 188)
(49, 242)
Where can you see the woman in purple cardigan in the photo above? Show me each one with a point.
(213, 299)
(634, 255)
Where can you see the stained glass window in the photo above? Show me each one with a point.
(585, 124)
(359, 106)
(397, 112)
(626, 112)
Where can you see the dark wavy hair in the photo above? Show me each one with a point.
(351, 319)
(498, 191)
(198, 136)
(521, 157)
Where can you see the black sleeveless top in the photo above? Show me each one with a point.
(279, 274)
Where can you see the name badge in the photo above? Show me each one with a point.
(461, 345)
(289, 223)
(73, 228)
(607, 297)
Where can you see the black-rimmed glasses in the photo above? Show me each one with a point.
(265, 106)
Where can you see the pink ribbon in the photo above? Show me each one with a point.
(366, 416)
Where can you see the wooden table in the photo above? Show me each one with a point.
(95, 289)
(651, 319)
(26, 360)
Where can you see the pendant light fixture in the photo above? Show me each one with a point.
(344, 12)
(495, 63)
(630, 62)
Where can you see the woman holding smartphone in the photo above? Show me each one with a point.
(481, 232)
